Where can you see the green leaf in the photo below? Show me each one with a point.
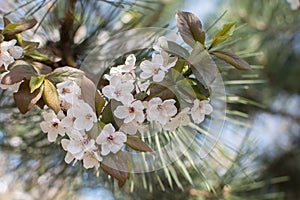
(232, 59)
(19, 71)
(24, 99)
(137, 144)
(203, 67)
(161, 90)
(37, 56)
(99, 103)
(15, 28)
(190, 28)
(36, 82)
(224, 34)
(185, 86)
(1, 37)
(176, 71)
(141, 95)
(66, 73)
(175, 49)
(29, 46)
(50, 96)
(9, 27)
(107, 113)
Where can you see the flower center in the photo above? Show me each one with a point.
(65, 90)
(155, 71)
(85, 142)
(117, 93)
(110, 138)
(88, 116)
(159, 107)
(55, 124)
(131, 109)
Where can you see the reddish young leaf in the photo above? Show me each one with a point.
(88, 91)
(26, 100)
(50, 96)
(190, 28)
(137, 144)
(232, 59)
(19, 71)
(116, 165)
(119, 175)
(41, 68)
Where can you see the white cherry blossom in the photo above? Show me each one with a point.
(82, 149)
(78, 147)
(118, 90)
(132, 128)
(130, 112)
(161, 111)
(181, 119)
(110, 140)
(68, 91)
(295, 4)
(9, 52)
(200, 109)
(142, 86)
(52, 126)
(157, 67)
(129, 64)
(162, 41)
(124, 72)
(82, 116)
(91, 159)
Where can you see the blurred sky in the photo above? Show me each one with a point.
(201, 7)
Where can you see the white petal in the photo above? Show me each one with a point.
(120, 137)
(208, 109)
(45, 126)
(81, 124)
(16, 52)
(65, 143)
(139, 116)
(52, 135)
(89, 161)
(138, 105)
(159, 76)
(115, 148)
(74, 147)
(67, 122)
(121, 112)
(157, 58)
(69, 157)
(154, 102)
(146, 75)
(108, 91)
(105, 149)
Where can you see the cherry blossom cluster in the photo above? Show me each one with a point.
(125, 85)
(75, 119)
(9, 52)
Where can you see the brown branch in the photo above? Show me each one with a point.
(66, 35)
